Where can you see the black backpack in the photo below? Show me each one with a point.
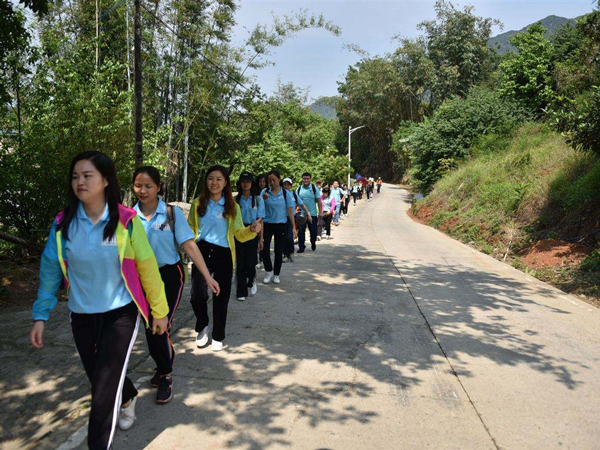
(171, 222)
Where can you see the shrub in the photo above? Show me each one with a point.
(437, 146)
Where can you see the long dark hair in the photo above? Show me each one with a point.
(260, 177)
(152, 172)
(112, 193)
(229, 210)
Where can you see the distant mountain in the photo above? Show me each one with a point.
(325, 107)
(551, 23)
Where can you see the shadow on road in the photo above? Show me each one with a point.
(339, 330)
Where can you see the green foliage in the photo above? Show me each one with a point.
(526, 76)
(457, 45)
(529, 182)
(437, 146)
(591, 262)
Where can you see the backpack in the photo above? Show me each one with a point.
(171, 222)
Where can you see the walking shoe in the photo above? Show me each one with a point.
(217, 346)
(276, 279)
(300, 250)
(241, 299)
(258, 266)
(268, 278)
(253, 289)
(290, 259)
(155, 380)
(165, 390)
(202, 338)
(285, 259)
(313, 247)
(127, 415)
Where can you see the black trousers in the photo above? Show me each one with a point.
(160, 345)
(354, 195)
(104, 342)
(218, 261)
(345, 204)
(277, 231)
(246, 257)
(312, 227)
(327, 222)
(288, 246)
(378, 188)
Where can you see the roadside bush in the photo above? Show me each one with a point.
(437, 147)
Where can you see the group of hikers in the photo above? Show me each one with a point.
(121, 263)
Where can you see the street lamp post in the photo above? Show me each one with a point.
(350, 131)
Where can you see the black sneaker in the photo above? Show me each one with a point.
(155, 381)
(300, 250)
(165, 390)
(313, 247)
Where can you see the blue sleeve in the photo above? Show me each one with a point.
(183, 232)
(261, 207)
(300, 201)
(318, 194)
(50, 278)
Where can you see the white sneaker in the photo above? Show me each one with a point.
(258, 266)
(268, 278)
(127, 415)
(253, 289)
(217, 346)
(202, 338)
(241, 299)
(276, 279)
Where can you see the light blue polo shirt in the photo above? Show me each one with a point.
(276, 206)
(161, 241)
(337, 194)
(249, 213)
(96, 283)
(309, 198)
(213, 227)
(292, 200)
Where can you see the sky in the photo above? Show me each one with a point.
(317, 60)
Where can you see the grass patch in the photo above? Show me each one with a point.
(517, 190)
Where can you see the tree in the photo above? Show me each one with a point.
(526, 75)
(457, 45)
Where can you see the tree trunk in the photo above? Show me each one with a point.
(137, 56)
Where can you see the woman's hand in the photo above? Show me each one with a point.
(37, 331)
(295, 232)
(256, 225)
(261, 245)
(213, 285)
(265, 196)
(159, 326)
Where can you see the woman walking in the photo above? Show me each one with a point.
(252, 208)
(345, 199)
(167, 229)
(100, 250)
(355, 191)
(261, 183)
(278, 209)
(216, 220)
(328, 211)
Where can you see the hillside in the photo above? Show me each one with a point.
(530, 200)
(551, 23)
(325, 107)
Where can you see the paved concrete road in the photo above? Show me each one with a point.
(391, 335)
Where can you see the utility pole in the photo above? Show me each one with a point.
(350, 131)
(137, 85)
